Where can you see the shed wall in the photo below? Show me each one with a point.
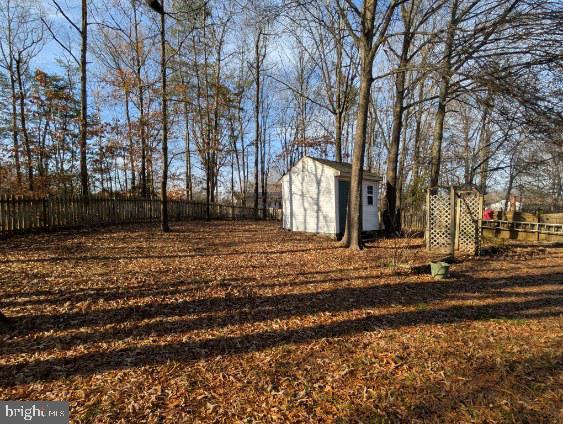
(309, 198)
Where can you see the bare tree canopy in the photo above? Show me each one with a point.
(215, 100)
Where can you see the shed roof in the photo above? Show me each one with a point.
(345, 168)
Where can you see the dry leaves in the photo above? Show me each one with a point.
(245, 322)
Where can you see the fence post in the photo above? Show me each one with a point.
(538, 226)
(427, 228)
(480, 224)
(452, 221)
(45, 212)
(2, 227)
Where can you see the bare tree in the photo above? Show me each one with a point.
(20, 40)
(262, 14)
(414, 15)
(368, 34)
(460, 46)
(159, 8)
(82, 30)
(335, 61)
(259, 55)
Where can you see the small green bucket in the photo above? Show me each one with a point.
(439, 270)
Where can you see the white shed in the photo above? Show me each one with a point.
(315, 197)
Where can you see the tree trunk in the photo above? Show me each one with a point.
(353, 232)
(26, 140)
(438, 136)
(188, 154)
(43, 162)
(244, 180)
(508, 191)
(164, 183)
(370, 139)
(232, 179)
(401, 176)
(390, 199)
(338, 121)
(485, 147)
(367, 49)
(257, 123)
(436, 152)
(83, 101)
(235, 156)
(264, 173)
(207, 185)
(216, 118)
(130, 141)
(141, 94)
(415, 178)
(339, 106)
(467, 154)
(15, 131)
(142, 134)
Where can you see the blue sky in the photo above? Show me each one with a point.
(46, 59)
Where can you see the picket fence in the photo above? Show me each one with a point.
(20, 214)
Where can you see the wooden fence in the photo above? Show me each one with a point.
(413, 220)
(19, 214)
(519, 230)
(500, 229)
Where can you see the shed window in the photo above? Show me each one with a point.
(370, 195)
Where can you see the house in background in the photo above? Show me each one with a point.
(315, 197)
(512, 206)
(273, 197)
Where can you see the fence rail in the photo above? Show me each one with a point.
(19, 214)
(530, 227)
(417, 222)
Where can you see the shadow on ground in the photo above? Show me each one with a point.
(221, 312)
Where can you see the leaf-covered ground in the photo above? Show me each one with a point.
(244, 322)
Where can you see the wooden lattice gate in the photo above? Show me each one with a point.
(453, 221)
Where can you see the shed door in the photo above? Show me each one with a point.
(343, 189)
(369, 206)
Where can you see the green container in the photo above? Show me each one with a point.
(439, 270)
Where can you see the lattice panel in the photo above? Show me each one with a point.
(466, 218)
(439, 221)
(468, 222)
